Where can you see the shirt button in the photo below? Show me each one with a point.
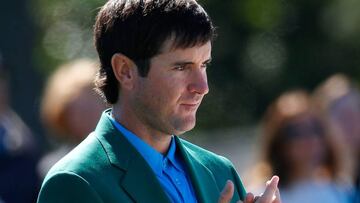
(165, 163)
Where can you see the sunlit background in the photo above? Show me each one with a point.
(263, 48)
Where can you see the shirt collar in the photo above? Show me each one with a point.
(155, 159)
(171, 155)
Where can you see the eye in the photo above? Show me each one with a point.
(205, 65)
(179, 67)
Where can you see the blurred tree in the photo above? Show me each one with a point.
(65, 31)
(263, 48)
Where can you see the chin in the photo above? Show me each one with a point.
(184, 126)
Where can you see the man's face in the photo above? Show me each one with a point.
(166, 100)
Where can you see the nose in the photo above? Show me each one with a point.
(199, 84)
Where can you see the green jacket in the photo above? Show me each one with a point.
(105, 167)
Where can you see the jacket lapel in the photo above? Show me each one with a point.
(201, 177)
(139, 181)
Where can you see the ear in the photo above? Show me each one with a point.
(124, 70)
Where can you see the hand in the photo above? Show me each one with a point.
(270, 195)
(227, 193)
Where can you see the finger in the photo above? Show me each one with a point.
(256, 198)
(277, 197)
(270, 190)
(249, 198)
(227, 193)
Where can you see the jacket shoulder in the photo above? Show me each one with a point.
(67, 187)
(206, 157)
(89, 162)
(85, 170)
(87, 156)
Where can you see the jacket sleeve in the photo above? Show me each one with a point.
(239, 187)
(67, 187)
(239, 192)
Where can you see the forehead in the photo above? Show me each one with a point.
(196, 52)
(174, 41)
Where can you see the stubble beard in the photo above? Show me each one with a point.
(159, 120)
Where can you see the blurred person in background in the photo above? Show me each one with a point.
(338, 100)
(19, 182)
(297, 147)
(70, 108)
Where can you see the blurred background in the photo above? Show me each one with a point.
(263, 49)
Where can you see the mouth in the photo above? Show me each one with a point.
(190, 106)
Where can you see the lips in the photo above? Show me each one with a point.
(191, 103)
(190, 106)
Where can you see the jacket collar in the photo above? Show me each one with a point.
(124, 156)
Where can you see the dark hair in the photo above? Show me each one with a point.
(138, 29)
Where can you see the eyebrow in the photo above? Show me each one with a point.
(190, 62)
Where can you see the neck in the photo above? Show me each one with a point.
(158, 140)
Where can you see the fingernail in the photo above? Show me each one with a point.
(227, 185)
(275, 179)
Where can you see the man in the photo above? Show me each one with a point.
(153, 57)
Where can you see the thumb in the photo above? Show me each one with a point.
(271, 188)
(227, 193)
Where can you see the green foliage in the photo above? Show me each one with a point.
(65, 31)
(264, 15)
(263, 48)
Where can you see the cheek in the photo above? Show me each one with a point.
(167, 90)
(151, 97)
(295, 151)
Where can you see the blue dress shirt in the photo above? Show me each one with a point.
(169, 169)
